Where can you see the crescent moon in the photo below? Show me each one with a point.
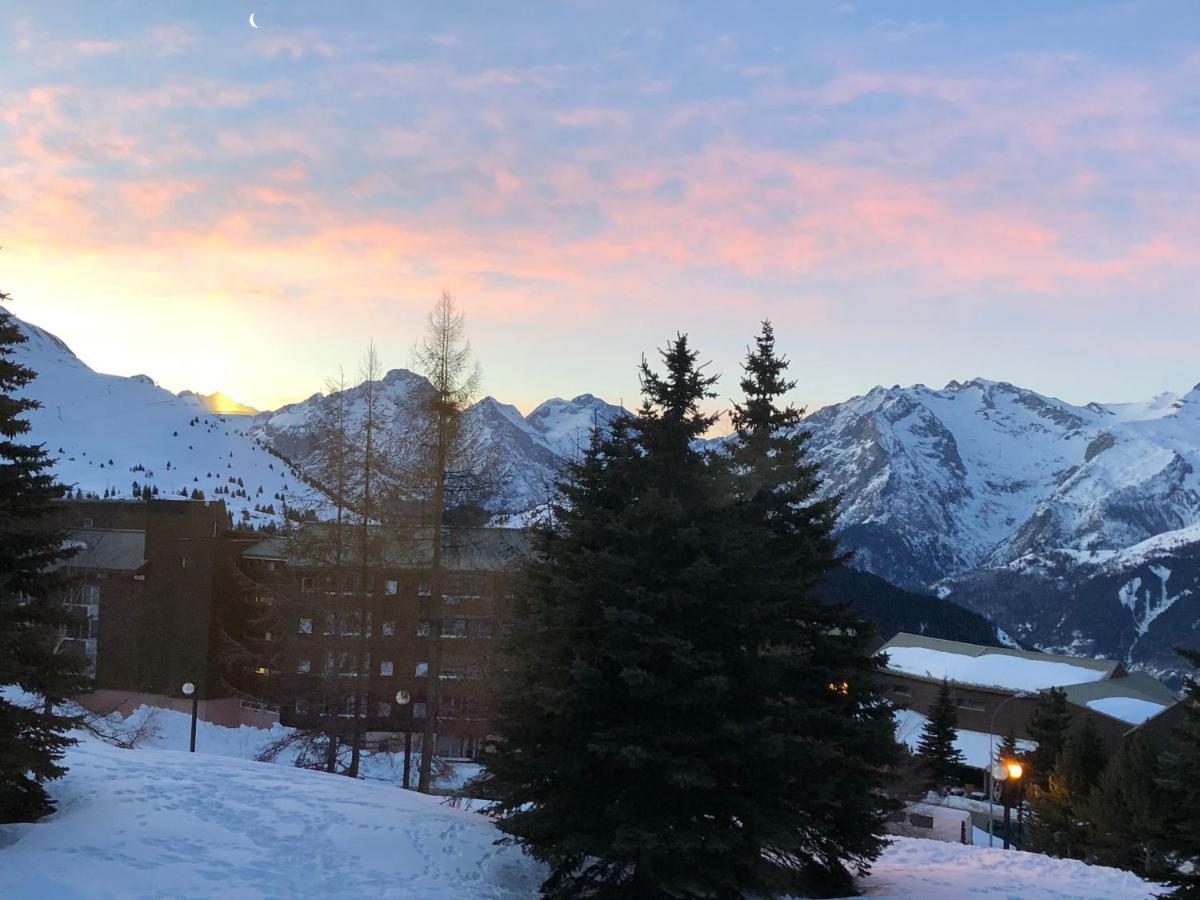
(252, 24)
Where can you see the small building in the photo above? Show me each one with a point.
(986, 683)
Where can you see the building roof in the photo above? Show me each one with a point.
(108, 549)
(402, 547)
(1132, 698)
(996, 667)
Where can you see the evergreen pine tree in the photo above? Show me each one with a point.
(935, 748)
(1058, 827)
(1179, 781)
(1048, 726)
(32, 617)
(618, 762)
(1126, 812)
(811, 736)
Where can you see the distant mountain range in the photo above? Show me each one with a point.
(1073, 528)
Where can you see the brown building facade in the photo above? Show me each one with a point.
(1115, 701)
(344, 640)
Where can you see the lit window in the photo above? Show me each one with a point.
(391, 587)
(421, 670)
(306, 626)
(385, 667)
(304, 666)
(389, 629)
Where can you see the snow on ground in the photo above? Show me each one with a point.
(973, 744)
(932, 870)
(171, 730)
(171, 824)
(154, 823)
(1127, 709)
(992, 669)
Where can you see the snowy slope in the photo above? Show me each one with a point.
(521, 454)
(154, 823)
(1062, 524)
(941, 482)
(565, 426)
(108, 431)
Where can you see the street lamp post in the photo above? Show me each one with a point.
(1014, 770)
(189, 690)
(403, 698)
(1020, 695)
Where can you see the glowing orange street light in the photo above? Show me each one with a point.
(1015, 770)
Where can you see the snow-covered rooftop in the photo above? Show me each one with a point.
(973, 744)
(1013, 670)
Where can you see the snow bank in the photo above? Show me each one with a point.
(992, 669)
(934, 870)
(155, 823)
(152, 823)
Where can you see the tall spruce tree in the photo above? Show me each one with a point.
(618, 755)
(1058, 826)
(33, 619)
(813, 736)
(1126, 812)
(1179, 781)
(935, 748)
(1048, 726)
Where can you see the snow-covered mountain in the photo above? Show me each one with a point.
(1068, 526)
(109, 432)
(522, 454)
(1020, 506)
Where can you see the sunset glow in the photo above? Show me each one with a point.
(241, 209)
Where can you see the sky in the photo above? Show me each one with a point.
(912, 192)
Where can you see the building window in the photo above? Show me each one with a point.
(389, 629)
(484, 628)
(421, 670)
(329, 623)
(418, 710)
(183, 562)
(973, 705)
(454, 628)
(424, 588)
(391, 586)
(349, 664)
(903, 689)
(88, 523)
(91, 594)
(306, 584)
(301, 707)
(385, 710)
(304, 666)
(385, 667)
(424, 629)
(306, 626)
